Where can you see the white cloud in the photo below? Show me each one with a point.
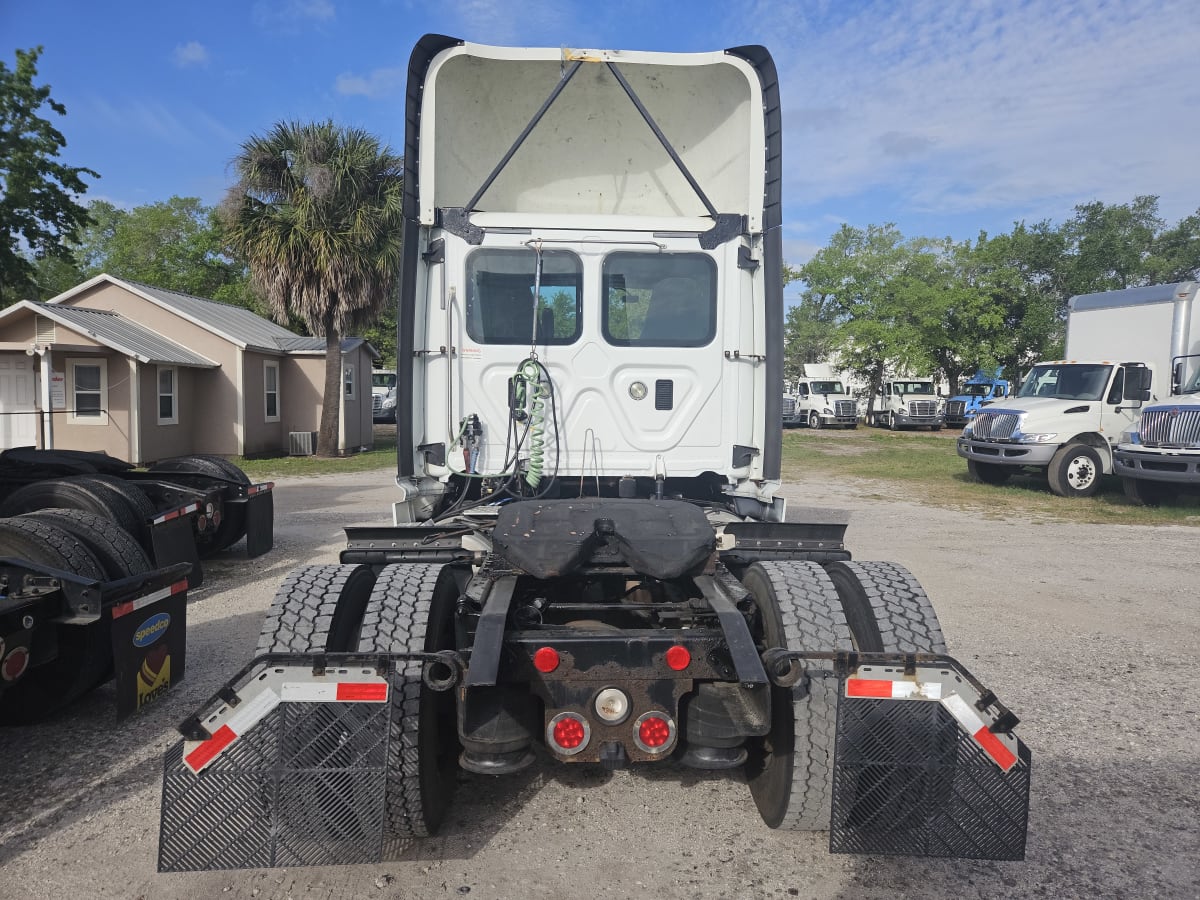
(958, 107)
(531, 23)
(378, 83)
(193, 53)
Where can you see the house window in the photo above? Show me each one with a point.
(348, 380)
(271, 391)
(168, 396)
(89, 391)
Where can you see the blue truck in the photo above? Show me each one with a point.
(979, 389)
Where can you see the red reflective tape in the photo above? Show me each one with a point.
(994, 747)
(868, 687)
(179, 587)
(366, 691)
(208, 750)
(122, 609)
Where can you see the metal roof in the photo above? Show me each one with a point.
(234, 323)
(122, 335)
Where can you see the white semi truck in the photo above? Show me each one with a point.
(909, 403)
(819, 400)
(589, 561)
(1158, 457)
(1069, 413)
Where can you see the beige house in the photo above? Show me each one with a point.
(144, 374)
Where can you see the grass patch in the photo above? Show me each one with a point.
(382, 456)
(923, 466)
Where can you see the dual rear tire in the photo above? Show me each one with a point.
(866, 606)
(406, 608)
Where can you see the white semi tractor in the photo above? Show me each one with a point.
(1068, 415)
(909, 403)
(819, 400)
(1158, 457)
(590, 561)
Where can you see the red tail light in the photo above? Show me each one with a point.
(654, 732)
(545, 659)
(568, 733)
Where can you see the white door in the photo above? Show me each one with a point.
(18, 414)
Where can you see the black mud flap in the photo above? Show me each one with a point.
(149, 641)
(260, 519)
(924, 767)
(286, 766)
(173, 541)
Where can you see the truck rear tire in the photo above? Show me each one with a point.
(988, 473)
(118, 553)
(317, 609)
(1075, 471)
(889, 612)
(814, 420)
(412, 610)
(886, 608)
(790, 770)
(1146, 493)
(103, 495)
(84, 651)
(233, 517)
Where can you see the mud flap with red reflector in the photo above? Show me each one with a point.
(926, 765)
(286, 766)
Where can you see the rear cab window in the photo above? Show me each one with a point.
(659, 299)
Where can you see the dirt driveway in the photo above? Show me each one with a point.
(1088, 632)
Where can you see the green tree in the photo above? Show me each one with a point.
(865, 283)
(38, 212)
(810, 329)
(174, 244)
(1111, 247)
(1025, 273)
(316, 212)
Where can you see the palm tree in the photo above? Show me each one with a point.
(316, 213)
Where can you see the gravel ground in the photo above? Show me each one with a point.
(1087, 632)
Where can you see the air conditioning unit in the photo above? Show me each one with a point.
(302, 443)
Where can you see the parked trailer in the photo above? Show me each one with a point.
(590, 563)
(181, 509)
(80, 604)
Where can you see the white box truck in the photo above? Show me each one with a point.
(1158, 458)
(1066, 418)
(819, 400)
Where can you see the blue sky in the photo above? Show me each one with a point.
(943, 117)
